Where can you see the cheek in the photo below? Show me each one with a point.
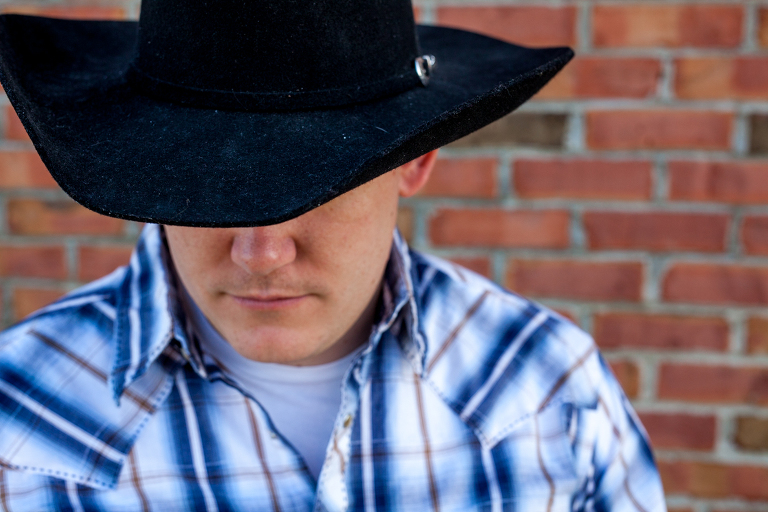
(196, 253)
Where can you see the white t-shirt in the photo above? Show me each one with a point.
(301, 401)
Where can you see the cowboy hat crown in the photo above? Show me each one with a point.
(284, 54)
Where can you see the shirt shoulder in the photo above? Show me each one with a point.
(498, 358)
(66, 330)
(57, 412)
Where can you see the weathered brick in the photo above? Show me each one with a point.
(24, 169)
(729, 182)
(528, 25)
(656, 231)
(33, 261)
(758, 142)
(638, 25)
(405, 222)
(519, 129)
(744, 78)
(463, 177)
(659, 129)
(680, 431)
(757, 335)
(713, 383)
(98, 261)
(763, 26)
(604, 77)
(35, 217)
(579, 280)
(660, 332)
(14, 130)
(714, 480)
(628, 375)
(500, 228)
(479, 264)
(82, 12)
(751, 433)
(754, 234)
(29, 300)
(583, 179)
(705, 283)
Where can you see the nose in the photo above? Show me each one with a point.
(262, 250)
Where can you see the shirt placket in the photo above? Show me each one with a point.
(332, 493)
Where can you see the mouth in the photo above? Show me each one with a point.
(269, 302)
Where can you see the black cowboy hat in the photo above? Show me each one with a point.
(243, 113)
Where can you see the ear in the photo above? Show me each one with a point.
(413, 175)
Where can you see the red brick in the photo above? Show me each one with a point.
(35, 217)
(24, 169)
(705, 26)
(465, 177)
(713, 384)
(628, 375)
(479, 264)
(596, 77)
(656, 231)
(14, 130)
(660, 332)
(500, 228)
(83, 12)
(754, 234)
(583, 179)
(757, 337)
(659, 129)
(744, 78)
(95, 261)
(729, 182)
(711, 480)
(580, 280)
(33, 261)
(680, 431)
(704, 283)
(29, 300)
(528, 25)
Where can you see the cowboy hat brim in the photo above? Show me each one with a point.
(124, 154)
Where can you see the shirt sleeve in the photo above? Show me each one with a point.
(613, 449)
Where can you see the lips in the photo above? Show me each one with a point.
(269, 302)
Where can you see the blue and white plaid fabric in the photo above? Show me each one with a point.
(467, 398)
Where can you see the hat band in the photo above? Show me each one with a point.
(249, 101)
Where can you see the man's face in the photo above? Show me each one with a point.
(302, 292)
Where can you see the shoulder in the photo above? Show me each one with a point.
(498, 358)
(74, 325)
(54, 393)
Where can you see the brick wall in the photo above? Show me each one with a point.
(631, 195)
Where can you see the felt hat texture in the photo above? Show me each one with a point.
(242, 113)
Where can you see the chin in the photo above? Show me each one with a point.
(275, 345)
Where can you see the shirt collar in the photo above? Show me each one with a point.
(150, 316)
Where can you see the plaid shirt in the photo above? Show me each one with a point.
(467, 397)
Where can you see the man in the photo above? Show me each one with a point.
(271, 346)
